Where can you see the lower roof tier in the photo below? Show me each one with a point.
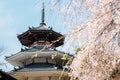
(36, 55)
(38, 67)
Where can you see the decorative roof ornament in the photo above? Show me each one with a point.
(42, 16)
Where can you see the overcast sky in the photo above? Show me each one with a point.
(15, 18)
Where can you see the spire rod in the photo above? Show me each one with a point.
(42, 16)
(42, 19)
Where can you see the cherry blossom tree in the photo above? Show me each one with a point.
(98, 37)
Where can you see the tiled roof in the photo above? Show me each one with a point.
(38, 67)
(38, 48)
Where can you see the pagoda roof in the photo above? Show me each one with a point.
(39, 67)
(39, 48)
(26, 54)
(35, 70)
(41, 33)
(40, 27)
(42, 65)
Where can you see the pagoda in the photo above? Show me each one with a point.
(39, 60)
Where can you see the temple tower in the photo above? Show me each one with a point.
(39, 60)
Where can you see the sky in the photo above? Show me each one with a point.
(15, 18)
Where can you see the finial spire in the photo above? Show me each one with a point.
(42, 16)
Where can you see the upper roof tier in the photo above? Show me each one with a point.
(41, 35)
